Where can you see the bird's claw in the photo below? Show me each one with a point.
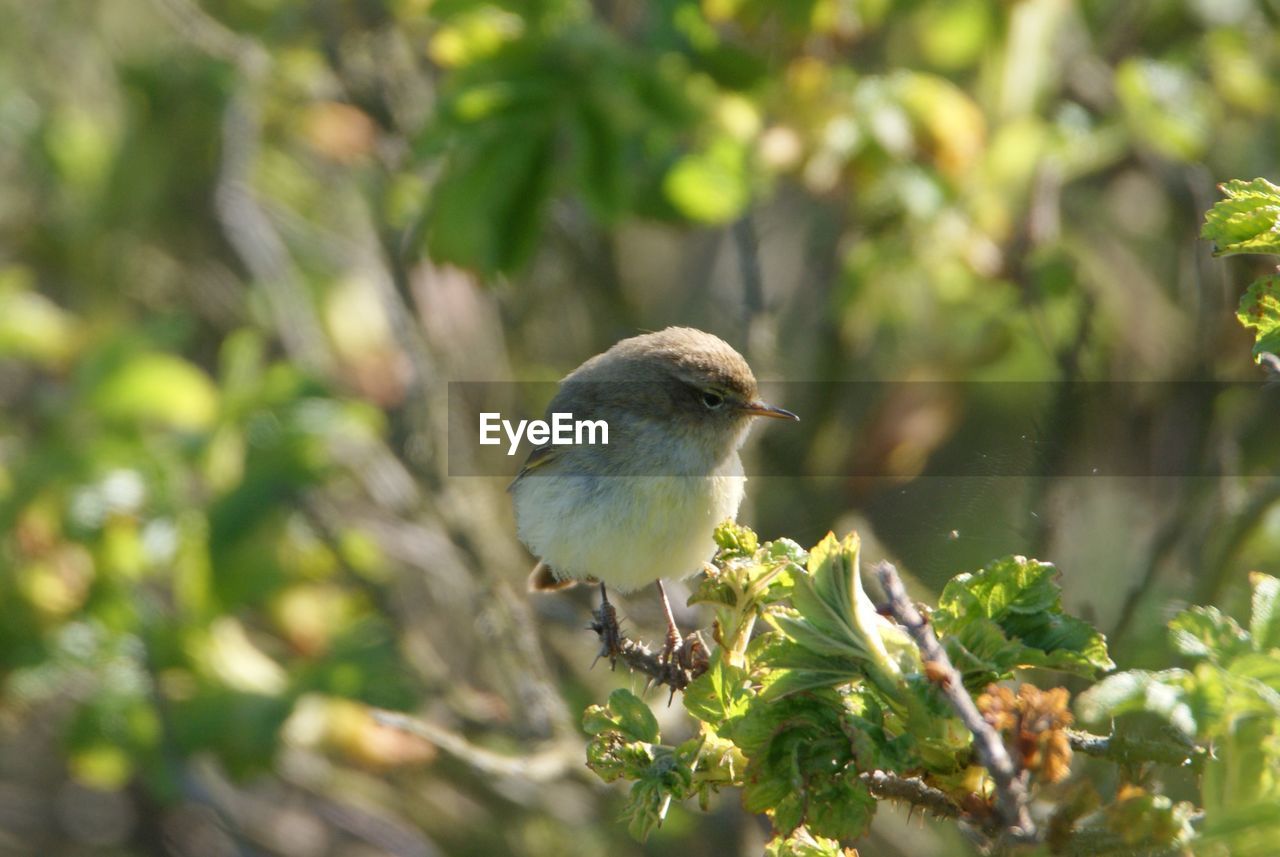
(605, 624)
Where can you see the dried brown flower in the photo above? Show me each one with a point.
(1034, 724)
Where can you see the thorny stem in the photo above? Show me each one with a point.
(913, 790)
(1126, 749)
(1010, 786)
(688, 661)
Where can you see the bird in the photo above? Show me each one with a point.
(679, 404)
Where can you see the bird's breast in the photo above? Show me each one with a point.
(626, 530)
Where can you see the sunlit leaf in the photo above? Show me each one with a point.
(1247, 221)
(1205, 632)
(711, 186)
(1264, 621)
(158, 388)
(1019, 597)
(1260, 310)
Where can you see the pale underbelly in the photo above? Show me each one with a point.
(626, 531)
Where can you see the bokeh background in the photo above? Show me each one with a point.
(246, 244)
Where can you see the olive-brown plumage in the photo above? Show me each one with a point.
(679, 403)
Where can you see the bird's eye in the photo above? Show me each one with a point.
(712, 399)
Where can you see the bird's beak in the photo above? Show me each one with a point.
(760, 409)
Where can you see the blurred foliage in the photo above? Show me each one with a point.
(1248, 221)
(245, 243)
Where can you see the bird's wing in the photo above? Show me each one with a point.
(539, 456)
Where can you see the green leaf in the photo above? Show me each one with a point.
(834, 616)
(1018, 598)
(1247, 221)
(1167, 694)
(710, 186)
(792, 667)
(158, 388)
(873, 747)
(800, 766)
(625, 714)
(486, 212)
(801, 843)
(1248, 830)
(635, 718)
(1260, 310)
(599, 159)
(1264, 621)
(721, 693)
(1166, 106)
(1205, 632)
(840, 807)
(1260, 674)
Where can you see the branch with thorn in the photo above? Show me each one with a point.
(913, 790)
(1010, 783)
(1127, 749)
(674, 668)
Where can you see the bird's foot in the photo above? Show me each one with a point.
(605, 624)
(681, 661)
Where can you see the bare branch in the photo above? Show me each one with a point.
(1010, 785)
(544, 765)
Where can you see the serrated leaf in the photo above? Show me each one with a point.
(1260, 311)
(1247, 221)
(719, 694)
(626, 714)
(800, 769)
(1165, 694)
(1020, 597)
(1205, 632)
(792, 667)
(834, 616)
(840, 808)
(634, 717)
(1264, 620)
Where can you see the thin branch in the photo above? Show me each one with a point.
(244, 221)
(543, 766)
(1128, 750)
(675, 670)
(748, 248)
(913, 790)
(1011, 788)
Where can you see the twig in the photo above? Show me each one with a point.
(542, 766)
(1219, 566)
(1126, 749)
(676, 671)
(913, 790)
(243, 219)
(748, 248)
(1011, 789)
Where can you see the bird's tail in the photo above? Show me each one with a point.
(543, 579)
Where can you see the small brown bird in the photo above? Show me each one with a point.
(678, 404)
